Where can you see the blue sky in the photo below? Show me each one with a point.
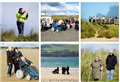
(56, 8)
(101, 8)
(94, 47)
(8, 16)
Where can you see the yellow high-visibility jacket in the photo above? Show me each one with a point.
(21, 17)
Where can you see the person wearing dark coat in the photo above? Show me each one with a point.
(17, 54)
(9, 61)
(77, 25)
(111, 61)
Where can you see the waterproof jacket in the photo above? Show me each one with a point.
(111, 61)
(21, 17)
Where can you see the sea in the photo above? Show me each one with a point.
(52, 62)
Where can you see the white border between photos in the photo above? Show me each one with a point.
(79, 42)
(119, 42)
(39, 42)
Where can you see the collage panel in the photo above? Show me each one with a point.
(19, 62)
(100, 21)
(19, 21)
(0, 21)
(59, 63)
(100, 62)
(59, 21)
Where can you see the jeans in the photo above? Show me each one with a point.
(32, 72)
(55, 26)
(110, 74)
(20, 27)
(16, 65)
(10, 66)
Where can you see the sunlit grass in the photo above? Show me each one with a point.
(11, 36)
(87, 57)
(90, 30)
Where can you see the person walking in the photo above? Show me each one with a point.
(96, 67)
(111, 61)
(21, 16)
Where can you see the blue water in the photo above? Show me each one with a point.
(72, 62)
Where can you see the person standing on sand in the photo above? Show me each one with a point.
(21, 16)
(9, 53)
(17, 55)
(96, 67)
(111, 61)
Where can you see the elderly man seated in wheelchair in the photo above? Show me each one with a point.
(26, 70)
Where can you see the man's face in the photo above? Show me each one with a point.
(110, 53)
(23, 58)
(22, 10)
(16, 50)
(9, 48)
(97, 59)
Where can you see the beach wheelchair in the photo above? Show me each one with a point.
(26, 70)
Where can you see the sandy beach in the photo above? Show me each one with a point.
(100, 40)
(31, 54)
(47, 75)
(68, 35)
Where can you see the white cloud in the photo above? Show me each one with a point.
(64, 9)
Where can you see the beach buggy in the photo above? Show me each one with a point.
(26, 70)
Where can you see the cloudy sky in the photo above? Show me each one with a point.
(99, 9)
(55, 8)
(8, 16)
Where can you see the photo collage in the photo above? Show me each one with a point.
(55, 41)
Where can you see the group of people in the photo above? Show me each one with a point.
(13, 56)
(104, 20)
(97, 67)
(65, 70)
(16, 61)
(60, 25)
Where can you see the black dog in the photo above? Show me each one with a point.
(65, 70)
(56, 71)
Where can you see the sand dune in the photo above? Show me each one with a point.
(32, 54)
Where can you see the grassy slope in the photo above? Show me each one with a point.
(89, 30)
(11, 36)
